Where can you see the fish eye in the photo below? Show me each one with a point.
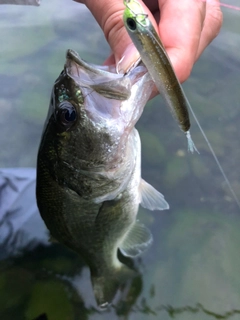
(131, 24)
(66, 115)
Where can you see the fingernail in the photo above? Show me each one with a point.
(129, 58)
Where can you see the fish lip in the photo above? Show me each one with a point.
(73, 57)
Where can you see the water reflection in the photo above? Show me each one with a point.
(52, 292)
(42, 273)
(20, 224)
(195, 254)
(48, 286)
(174, 312)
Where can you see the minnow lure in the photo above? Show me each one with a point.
(155, 58)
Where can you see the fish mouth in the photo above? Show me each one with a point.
(73, 56)
(102, 79)
(107, 95)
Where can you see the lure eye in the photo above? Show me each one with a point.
(131, 23)
(66, 115)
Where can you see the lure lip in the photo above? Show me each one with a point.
(141, 16)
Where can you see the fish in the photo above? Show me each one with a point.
(89, 184)
(155, 58)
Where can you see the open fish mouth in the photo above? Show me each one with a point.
(102, 79)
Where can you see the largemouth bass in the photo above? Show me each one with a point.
(89, 184)
(155, 58)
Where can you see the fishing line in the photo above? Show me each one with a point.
(214, 155)
(190, 142)
(229, 6)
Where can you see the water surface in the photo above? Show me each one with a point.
(192, 269)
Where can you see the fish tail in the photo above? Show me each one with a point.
(106, 285)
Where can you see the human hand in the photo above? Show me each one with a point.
(186, 27)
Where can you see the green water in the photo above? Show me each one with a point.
(191, 272)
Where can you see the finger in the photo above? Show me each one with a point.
(180, 28)
(212, 25)
(109, 15)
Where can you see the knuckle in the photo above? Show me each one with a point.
(112, 23)
(215, 18)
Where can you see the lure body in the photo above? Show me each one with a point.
(155, 57)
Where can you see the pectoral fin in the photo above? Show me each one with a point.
(150, 198)
(136, 241)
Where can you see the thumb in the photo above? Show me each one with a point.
(109, 15)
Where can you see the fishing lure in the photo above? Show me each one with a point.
(155, 57)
